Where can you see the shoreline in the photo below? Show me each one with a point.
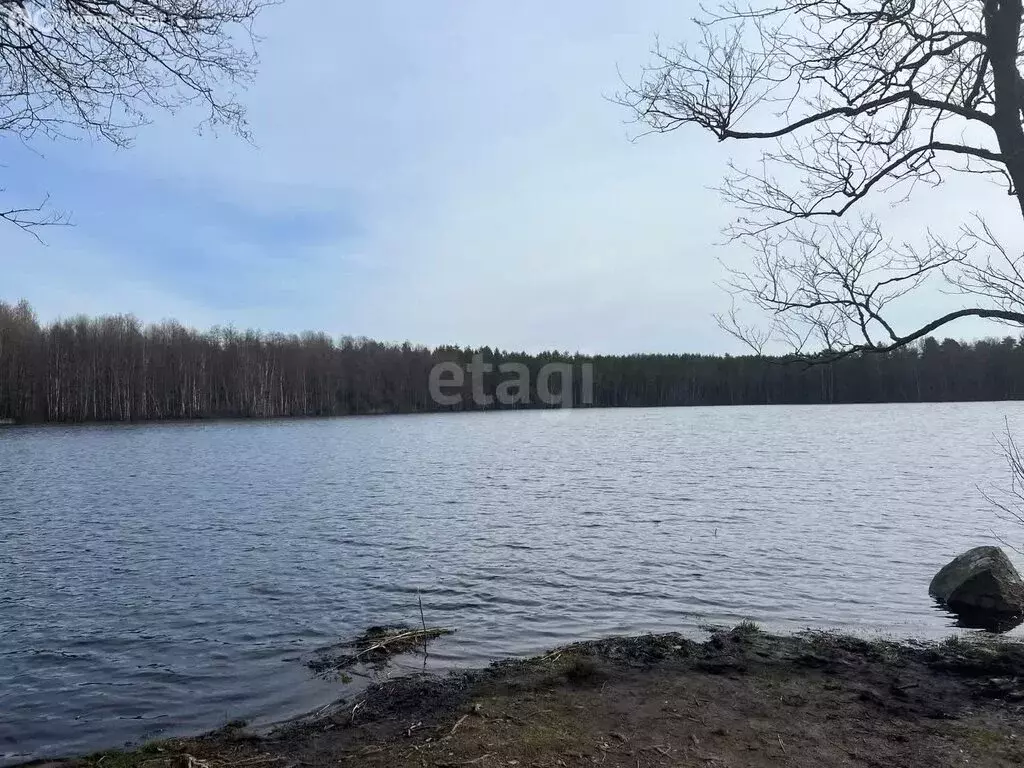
(211, 420)
(742, 697)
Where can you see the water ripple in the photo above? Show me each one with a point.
(164, 579)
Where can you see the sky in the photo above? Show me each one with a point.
(443, 172)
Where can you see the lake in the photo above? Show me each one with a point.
(162, 579)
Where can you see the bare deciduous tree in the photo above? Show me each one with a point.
(100, 68)
(852, 100)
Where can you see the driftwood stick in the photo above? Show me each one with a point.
(414, 634)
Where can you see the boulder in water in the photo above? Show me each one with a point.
(981, 585)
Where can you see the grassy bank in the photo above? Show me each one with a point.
(743, 697)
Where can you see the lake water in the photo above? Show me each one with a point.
(167, 578)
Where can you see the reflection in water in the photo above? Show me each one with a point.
(987, 622)
(155, 579)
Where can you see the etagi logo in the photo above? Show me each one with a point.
(21, 17)
(447, 381)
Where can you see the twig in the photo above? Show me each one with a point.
(423, 620)
(782, 745)
(320, 712)
(425, 634)
(457, 724)
(470, 762)
(553, 656)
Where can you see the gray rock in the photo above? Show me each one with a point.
(981, 582)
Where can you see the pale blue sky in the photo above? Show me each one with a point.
(442, 172)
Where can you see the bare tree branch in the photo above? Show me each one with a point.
(101, 68)
(853, 100)
(1010, 503)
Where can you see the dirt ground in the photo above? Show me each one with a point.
(743, 698)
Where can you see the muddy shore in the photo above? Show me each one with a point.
(742, 698)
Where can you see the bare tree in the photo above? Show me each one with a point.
(852, 100)
(100, 68)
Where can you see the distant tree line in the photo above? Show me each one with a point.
(118, 369)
